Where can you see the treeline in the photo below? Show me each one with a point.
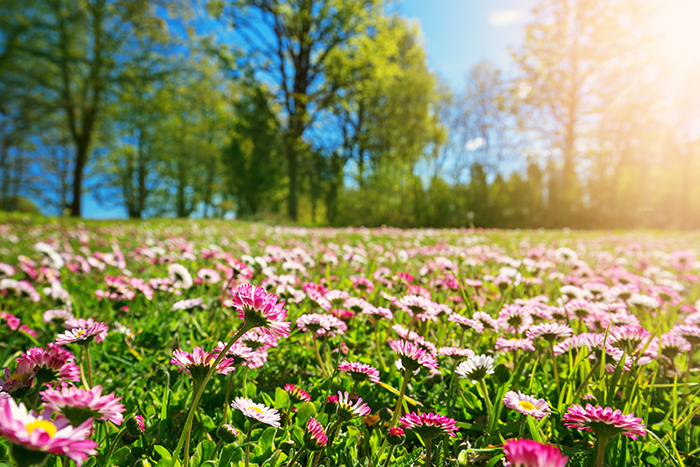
(326, 112)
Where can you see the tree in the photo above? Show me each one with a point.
(254, 160)
(289, 42)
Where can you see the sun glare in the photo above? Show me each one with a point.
(679, 26)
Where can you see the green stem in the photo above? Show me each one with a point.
(247, 443)
(296, 456)
(354, 388)
(200, 390)
(601, 452)
(189, 432)
(320, 362)
(554, 364)
(376, 341)
(428, 452)
(228, 396)
(113, 445)
(88, 365)
(245, 382)
(523, 417)
(451, 391)
(397, 410)
(489, 407)
(585, 381)
(388, 459)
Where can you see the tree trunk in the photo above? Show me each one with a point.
(80, 162)
(293, 167)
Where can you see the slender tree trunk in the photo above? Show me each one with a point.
(293, 168)
(80, 162)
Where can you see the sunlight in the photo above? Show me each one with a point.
(679, 25)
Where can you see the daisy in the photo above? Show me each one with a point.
(668, 346)
(78, 405)
(315, 437)
(691, 333)
(261, 310)
(412, 357)
(359, 371)
(511, 345)
(50, 364)
(528, 453)
(466, 323)
(34, 436)
(257, 412)
(525, 404)
(347, 409)
(198, 363)
(415, 304)
(628, 338)
(604, 422)
(486, 319)
(549, 331)
(378, 312)
(428, 425)
(189, 304)
(297, 393)
(227, 433)
(82, 332)
(180, 276)
(476, 368)
(57, 316)
(337, 297)
(456, 352)
(514, 319)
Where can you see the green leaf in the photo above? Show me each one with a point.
(281, 399)
(162, 451)
(306, 411)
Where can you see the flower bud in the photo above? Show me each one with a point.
(396, 436)
(227, 433)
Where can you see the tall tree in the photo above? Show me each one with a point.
(289, 42)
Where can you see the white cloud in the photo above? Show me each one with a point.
(474, 144)
(499, 18)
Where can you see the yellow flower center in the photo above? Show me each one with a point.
(255, 409)
(44, 425)
(527, 405)
(80, 333)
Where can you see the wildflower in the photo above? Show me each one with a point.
(412, 357)
(261, 310)
(476, 368)
(690, 333)
(528, 453)
(486, 319)
(396, 436)
(50, 364)
(466, 323)
(315, 437)
(347, 410)
(428, 425)
(297, 393)
(189, 304)
(511, 345)
(526, 404)
(604, 422)
(227, 433)
(667, 346)
(359, 371)
(198, 363)
(549, 331)
(34, 436)
(257, 412)
(456, 352)
(83, 331)
(514, 319)
(180, 276)
(628, 338)
(78, 405)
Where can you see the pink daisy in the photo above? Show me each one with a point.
(359, 371)
(52, 363)
(198, 363)
(455, 352)
(514, 319)
(526, 404)
(466, 323)
(257, 412)
(261, 310)
(511, 345)
(528, 453)
(347, 409)
(429, 425)
(604, 422)
(78, 405)
(628, 338)
(297, 393)
(549, 331)
(412, 357)
(31, 434)
(82, 331)
(691, 333)
(315, 438)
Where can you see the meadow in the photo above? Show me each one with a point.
(211, 343)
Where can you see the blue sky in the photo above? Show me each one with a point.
(457, 34)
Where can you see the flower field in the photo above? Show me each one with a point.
(210, 343)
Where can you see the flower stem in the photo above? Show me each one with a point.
(388, 459)
(228, 396)
(114, 445)
(489, 407)
(376, 341)
(296, 456)
(428, 452)
(245, 382)
(247, 443)
(320, 361)
(585, 381)
(523, 417)
(200, 390)
(397, 410)
(354, 388)
(601, 452)
(554, 364)
(88, 365)
(189, 432)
